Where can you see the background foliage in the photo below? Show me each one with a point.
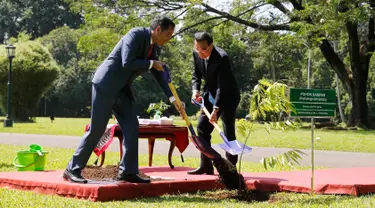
(34, 70)
(264, 39)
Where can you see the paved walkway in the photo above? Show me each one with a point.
(322, 158)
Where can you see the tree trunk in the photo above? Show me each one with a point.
(359, 62)
(20, 113)
(355, 84)
(359, 112)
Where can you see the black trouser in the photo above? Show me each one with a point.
(227, 114)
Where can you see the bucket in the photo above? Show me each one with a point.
(30, 160)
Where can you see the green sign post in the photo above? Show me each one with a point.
(313, 103)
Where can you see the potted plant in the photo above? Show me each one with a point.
(156, 110)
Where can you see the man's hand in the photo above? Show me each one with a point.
(158, 65)
(196, 96)
(213, 118)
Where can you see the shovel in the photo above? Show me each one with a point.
(228, 174)
(199, 143)
(232, 147)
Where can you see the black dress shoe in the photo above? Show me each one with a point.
(73, 177)
(132, 178)
(201, 171)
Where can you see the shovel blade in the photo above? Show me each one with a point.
(204, 147)
(235, 147)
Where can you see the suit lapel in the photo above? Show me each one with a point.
(211, 61)
(147, 42)
(203, 68)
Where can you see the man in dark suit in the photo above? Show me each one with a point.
(212, 64)
(137, 52)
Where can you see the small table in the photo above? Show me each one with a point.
(178, 137)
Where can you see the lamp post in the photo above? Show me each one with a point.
(11, 50)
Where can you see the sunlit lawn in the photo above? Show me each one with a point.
(354, 141)
(58, 158)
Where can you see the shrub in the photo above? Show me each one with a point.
(34, 70)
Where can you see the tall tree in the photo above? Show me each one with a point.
(62, 44)
(71, 92)
(37, 18)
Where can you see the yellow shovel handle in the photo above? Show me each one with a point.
(179, 104)
(209, 117)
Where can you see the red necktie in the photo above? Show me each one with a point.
(149, 53)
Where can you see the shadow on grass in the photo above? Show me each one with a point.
(6, 165)
(18, 121)
(25, 121)
(216, 197)
(274, 198)
(306, 199)
(180, 198)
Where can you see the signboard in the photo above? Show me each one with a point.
(313, 103)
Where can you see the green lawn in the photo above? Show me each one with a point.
(58, 158)
(352, 141)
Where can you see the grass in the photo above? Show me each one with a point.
(349, 141)
(58, 158)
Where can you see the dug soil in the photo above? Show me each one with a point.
(245, 195)
(109, 173)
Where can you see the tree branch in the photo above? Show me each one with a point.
(183, 12)
(296, 5)
(165, 5)
(217, 17)
(196, 24)
(336, 63)
(244, 22)
(281, 7)
(179, 4)
(251, 9)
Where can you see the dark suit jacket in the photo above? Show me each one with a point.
(126, 62)
(219, 79)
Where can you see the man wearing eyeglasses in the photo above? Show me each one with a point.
(221, 94)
